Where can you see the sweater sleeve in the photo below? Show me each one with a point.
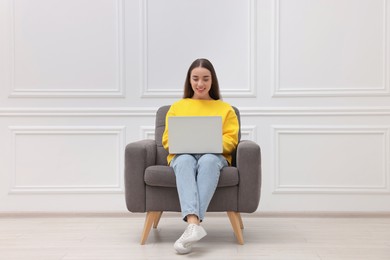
(165, 134)
(230, 132)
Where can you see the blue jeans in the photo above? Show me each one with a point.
(197, 178)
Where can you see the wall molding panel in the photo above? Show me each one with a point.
(113, 90)
(147, 132)
(278, 90)
(249, 132)
(379, 134)
(153, 91)
(116, 186)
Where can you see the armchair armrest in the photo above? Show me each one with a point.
(138, 156)
(249, 170)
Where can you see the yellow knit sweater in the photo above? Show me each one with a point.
(197, 107)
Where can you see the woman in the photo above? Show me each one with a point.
(197, 175)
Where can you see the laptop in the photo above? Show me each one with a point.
(195, 134)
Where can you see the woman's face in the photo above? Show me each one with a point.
(201, 83)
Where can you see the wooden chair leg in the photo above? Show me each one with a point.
(157, 219)
(234, 218)
(150, 217)
(241, 223)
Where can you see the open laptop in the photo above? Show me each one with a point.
(195, 134)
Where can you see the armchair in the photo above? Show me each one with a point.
(150, 185)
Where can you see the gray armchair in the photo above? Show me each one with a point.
(150, 185)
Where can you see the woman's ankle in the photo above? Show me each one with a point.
(193, 219)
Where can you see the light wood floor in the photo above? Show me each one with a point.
(117, 237)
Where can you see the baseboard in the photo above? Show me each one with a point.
(324, 214)
(61, 214)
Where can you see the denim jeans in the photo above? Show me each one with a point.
(197, 178)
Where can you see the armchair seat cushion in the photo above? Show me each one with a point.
(163, 176)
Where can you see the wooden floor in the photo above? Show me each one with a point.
(117, 237)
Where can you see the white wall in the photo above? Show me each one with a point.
(82, 78)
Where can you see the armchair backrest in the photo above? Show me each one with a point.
(160, 127)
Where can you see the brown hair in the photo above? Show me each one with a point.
(214, 90)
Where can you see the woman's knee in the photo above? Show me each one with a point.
(211, 160)
(183, 160)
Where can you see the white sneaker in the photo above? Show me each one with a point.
(192, 234)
